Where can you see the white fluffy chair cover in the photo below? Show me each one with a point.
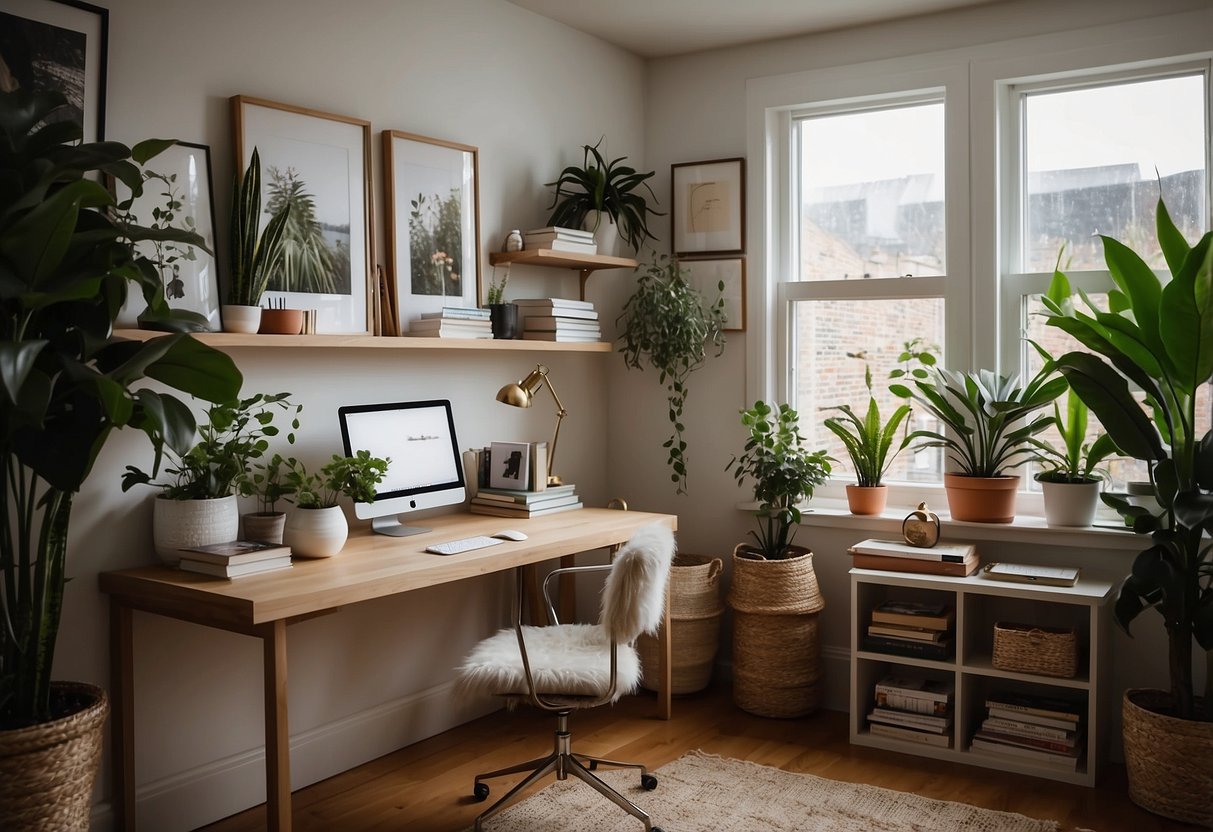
(575, 659)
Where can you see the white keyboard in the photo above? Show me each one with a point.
(467, 544)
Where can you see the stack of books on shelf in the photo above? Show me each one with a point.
(913, 708)
(957, 559)
(556, 238)
(453, 322)
(1027, 727)
(236, 559)
(558, 319)
(912, 628)
(504, 502)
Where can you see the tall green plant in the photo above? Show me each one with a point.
(66, 264)
(869, 441)
(1157, 336)
(609, 187)
(668, 324)
(253, 256)
(1076, 461)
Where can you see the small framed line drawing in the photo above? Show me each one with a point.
(707, 207)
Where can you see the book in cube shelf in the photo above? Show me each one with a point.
(908, 633)
(936, 724)
(1030, 706)
(915, 694)
(1065, 762)
(929, 616)
(910, 734)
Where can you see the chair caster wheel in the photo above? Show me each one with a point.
(593, 765)
(649, 782)
(480, 792)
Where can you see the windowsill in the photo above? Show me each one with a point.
(825, 512)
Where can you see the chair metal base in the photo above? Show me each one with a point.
(563, 762)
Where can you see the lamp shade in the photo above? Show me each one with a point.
(514, 395)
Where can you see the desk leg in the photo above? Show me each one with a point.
(122, 715)
(277, 734)
(665, 684)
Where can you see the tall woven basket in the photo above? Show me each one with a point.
(695, 610)
(1169, 760)
(47, 771)
(776, 650)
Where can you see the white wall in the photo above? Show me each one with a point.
(526, 91)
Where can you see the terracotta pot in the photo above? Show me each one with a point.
(1169, 760)
(867, 499)
(180, 524)
(281, 322)
(981, 499)
(47, 771)
(264, 526)
(316, 532)
(1070, 503)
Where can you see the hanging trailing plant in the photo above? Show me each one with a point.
(668, 324)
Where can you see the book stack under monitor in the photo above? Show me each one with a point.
(453, 322)
(913, 708)
(558, 238)
(236, 558)
(1028, 727)
(912, 628)
(558, 319)
(503, 502)
(956, 559)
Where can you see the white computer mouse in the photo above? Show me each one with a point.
(510, 534)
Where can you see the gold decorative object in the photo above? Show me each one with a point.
(921, 527)
(522, 394)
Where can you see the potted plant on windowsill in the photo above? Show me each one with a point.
(668, 324)
(774, 593)
(869, 442)
(67, 382)
(197, 502)
(253, 256)
(604, 197)
(1071, 480)
(1158, 338)
(987, 416)
(317, 528)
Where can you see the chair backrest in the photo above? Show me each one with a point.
(633, 598)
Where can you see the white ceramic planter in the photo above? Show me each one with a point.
(246, 319)
(1070, 503)
(316, 532)
(180, 524)
(606, 233)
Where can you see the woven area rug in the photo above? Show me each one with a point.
(704, 793)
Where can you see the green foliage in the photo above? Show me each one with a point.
(268, 484)
(986, 414)
(609, 187)
(1158, 336)
(306, 262)
(235, 433)
(667, 324)
(354, 476)
(868, 440)
(436, 245)
(784, 473)
(66, 264)
(252, 255)
(1076, 461)
(497, 290)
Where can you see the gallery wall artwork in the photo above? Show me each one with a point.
(707, 207)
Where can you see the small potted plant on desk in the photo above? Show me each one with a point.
(1071, 481)
(868, 442)
(267, 483)
(317, 528)
(774, 593)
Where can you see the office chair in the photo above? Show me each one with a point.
(567, 666)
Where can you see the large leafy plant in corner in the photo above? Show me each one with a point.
(66, 265)
(612, 188)
(1158, 337)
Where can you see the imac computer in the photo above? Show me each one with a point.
(426, 467)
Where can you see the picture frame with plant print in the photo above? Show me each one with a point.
(432, 199)
(707, 274)
(707, 207)
(178, 193)
(58, 45)
(320, 164)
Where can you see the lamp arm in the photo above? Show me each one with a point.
(560, 414)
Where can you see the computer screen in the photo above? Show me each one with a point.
(426, 467)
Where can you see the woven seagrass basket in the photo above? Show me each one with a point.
(776, 649)
(1043, 651)
(1169, 760)
(47, 771)
(695, 611)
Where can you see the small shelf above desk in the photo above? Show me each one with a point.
(584, 264)
(232, 340)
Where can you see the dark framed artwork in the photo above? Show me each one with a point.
(707, 207)
(432, 214)
(58, 45)
(178, 193)
(320, 164)
(707, 274)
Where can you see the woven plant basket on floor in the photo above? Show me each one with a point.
(47, 771)
(1169, 760)
(776, 650)
(695, 610)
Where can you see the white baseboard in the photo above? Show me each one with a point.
(223, 787)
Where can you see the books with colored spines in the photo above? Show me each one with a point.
(1032, 708)
(1066, 746)
(1025, 728)
(236, 552)
(927, 616)
(910, 734)
(458, 313)
(947, 552)
(915, 694)
(236, 570)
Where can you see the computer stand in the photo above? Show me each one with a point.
(391, 526)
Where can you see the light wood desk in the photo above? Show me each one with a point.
(370, 566)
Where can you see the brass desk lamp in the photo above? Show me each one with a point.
(522, 394)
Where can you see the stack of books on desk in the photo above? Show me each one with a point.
(504, 502)
(559, 319)
(912, 628)
(453, 322)
(236, 559)
(1033, 728)
(557, 238)
(957, 559)
(913, 708)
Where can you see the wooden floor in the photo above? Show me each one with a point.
(425, 787)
